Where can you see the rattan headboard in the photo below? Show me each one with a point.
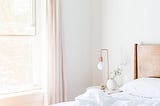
(146, 61)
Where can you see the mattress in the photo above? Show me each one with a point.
(117, 99)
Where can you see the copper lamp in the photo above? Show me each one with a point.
(111, 83)
(100, 64)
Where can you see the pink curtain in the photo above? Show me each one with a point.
(56, 82)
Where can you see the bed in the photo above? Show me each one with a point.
(143, 91)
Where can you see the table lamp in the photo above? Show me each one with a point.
(111, 84)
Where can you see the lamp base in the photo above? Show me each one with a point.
(111, 84)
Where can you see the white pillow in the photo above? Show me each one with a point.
(146, 87)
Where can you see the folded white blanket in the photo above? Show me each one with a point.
(94, 97)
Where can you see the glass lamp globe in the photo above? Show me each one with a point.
(100, 66)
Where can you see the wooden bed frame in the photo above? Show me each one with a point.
(146, 61)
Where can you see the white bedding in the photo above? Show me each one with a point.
(98, 98)
(65, 104)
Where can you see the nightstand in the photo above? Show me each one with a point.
(94, 87)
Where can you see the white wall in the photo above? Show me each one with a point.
(77, 45)
(89, 25)
(96, 40)
(125, 22)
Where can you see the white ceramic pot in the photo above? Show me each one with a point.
(111, 84)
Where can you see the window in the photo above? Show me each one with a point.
(19, 56)
(17, 17)
(17, 68)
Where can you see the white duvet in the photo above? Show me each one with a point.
(99, 98)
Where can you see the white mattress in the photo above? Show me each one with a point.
(118, 99)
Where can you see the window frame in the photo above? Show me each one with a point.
(21, 33)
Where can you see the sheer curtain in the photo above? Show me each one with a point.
(56, 83)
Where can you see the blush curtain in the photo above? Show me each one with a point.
(56, 82)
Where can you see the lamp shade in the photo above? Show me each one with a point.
(100, 66)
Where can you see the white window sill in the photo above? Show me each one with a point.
(8, 95)
(10, 89)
